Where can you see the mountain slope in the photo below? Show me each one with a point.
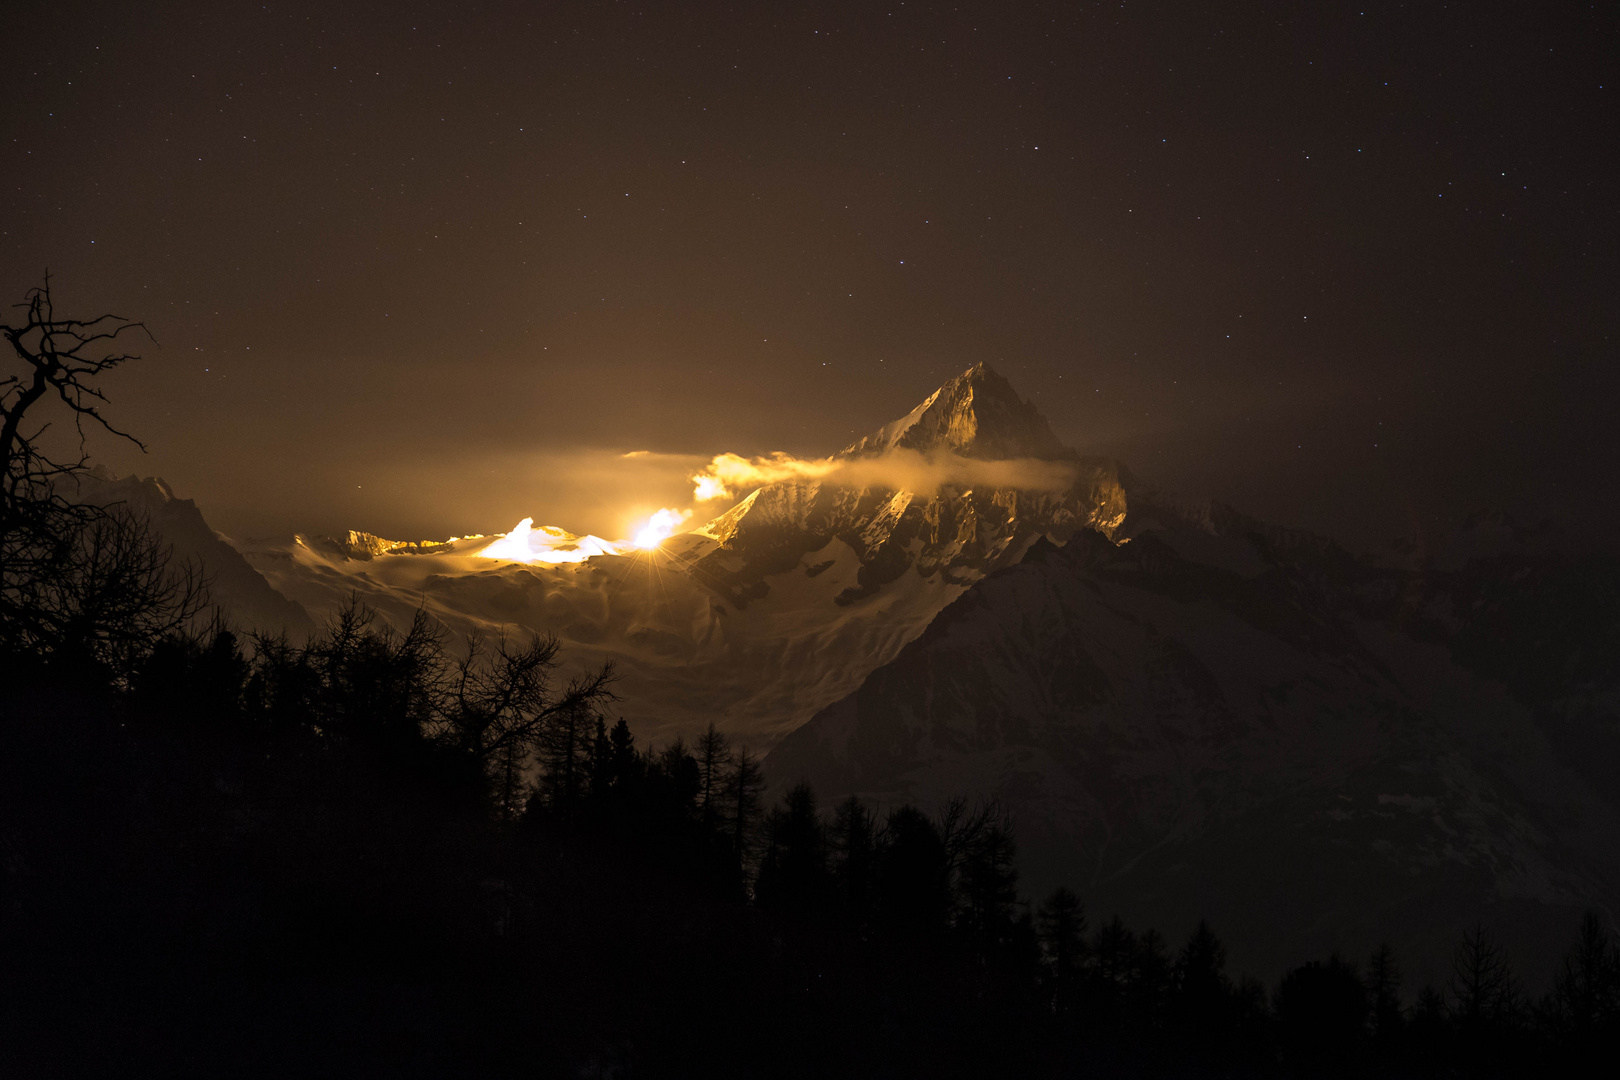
(771, 610)
(1213, 719)
(247, 599)
(955, 532)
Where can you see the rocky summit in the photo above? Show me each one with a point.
(954, 533)
(780, 605)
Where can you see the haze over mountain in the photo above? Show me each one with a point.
(781, 604)
(1188, 712)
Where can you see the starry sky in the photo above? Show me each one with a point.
(424, 268)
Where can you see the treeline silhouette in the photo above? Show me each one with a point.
(373, 853)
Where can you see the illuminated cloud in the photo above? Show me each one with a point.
(730, 475)
(660, 527)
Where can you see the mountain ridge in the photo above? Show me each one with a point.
(1170, 721)
(247, 598)
(956, 531)
(977, 414)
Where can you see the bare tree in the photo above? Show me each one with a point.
(116, 592)
(505, 708)
(78, 583)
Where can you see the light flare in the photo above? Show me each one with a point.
(549, 544)
(514, 545)
(660, 527)
(553, 546)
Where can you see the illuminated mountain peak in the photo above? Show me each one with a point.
(978, 414)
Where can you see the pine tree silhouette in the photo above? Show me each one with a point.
(1383, 985)
(854, 854)
(713, 756)
(1321, 1015)
(914, 896)
(1482, 991)
(1061, 924)
(987, 884)
(793, 871)
(743, 780)
(1586, 990)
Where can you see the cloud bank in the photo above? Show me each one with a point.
(730, 475)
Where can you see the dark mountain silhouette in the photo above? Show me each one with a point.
(240, 591)
(1217, 718)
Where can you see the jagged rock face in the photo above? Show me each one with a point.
(364, 546)
(1216, 719)
(772, 610)
(957, 534)
(977, 415)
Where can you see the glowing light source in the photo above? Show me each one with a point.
(548, 544)
(514, 545)
(660, 527)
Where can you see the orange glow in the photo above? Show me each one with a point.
(709, 487)
(660, 527)
(730, 474)
(551, 545)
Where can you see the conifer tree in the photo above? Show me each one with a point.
(988, 884)
(713, 755)
(565, 758)
(743, 780)
(1384, 996)
(854, 853)
(1322, 1017)
(914, 894)
(1201, 995)
(1113, 950)
(1152, 978)
(1482, 990)
(601, 761)
(793, 872)
(1061, 924)
(1586, 990)
(623, 762)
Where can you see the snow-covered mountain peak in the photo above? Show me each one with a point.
(978, 414)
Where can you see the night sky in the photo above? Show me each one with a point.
(423, 269)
